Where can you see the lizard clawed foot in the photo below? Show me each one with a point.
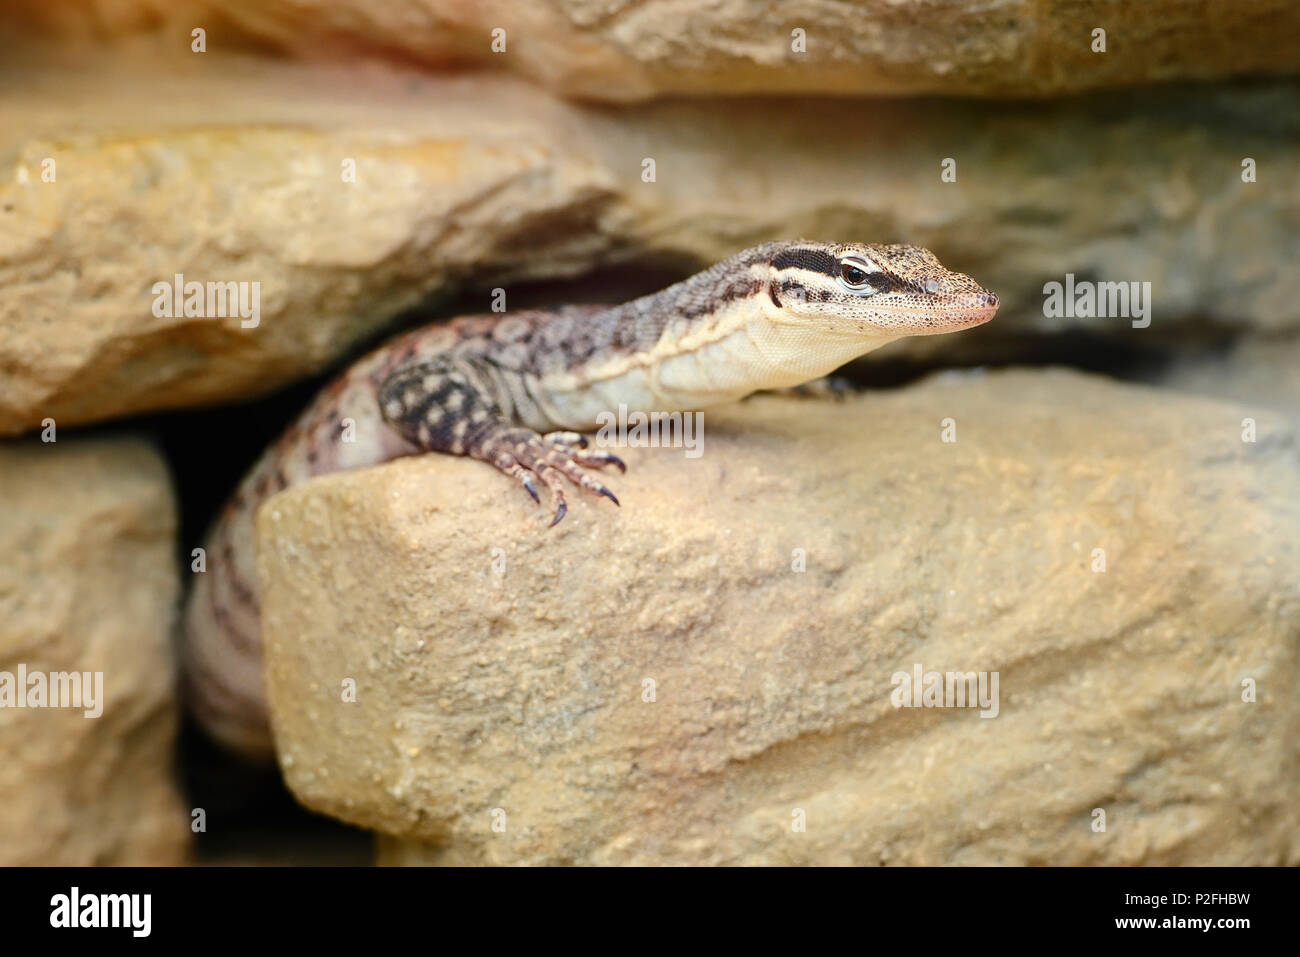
(525, 456)
(575, 445)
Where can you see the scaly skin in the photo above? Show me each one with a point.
(515, 391)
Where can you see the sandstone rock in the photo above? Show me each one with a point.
(612, 50)
(502, 671)
(89, 584)
(264, 203)
(235, 170)
(1255, 370)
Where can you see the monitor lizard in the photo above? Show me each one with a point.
(517, 390)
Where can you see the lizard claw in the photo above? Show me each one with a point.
(599, 458)
(561, 510)
(525, 455)
(506, 463)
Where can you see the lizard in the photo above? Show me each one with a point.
(517, 390)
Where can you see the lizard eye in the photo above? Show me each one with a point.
(852, 274)
(855, 277)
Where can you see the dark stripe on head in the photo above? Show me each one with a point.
(801, 257)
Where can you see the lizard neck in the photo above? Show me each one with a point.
(711, 339)
(752, 345)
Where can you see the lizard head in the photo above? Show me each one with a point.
(874, 290)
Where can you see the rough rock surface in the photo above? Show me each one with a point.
(502, 671)
(89, 583)
(618, 50)
(235, 173)
(258, 201)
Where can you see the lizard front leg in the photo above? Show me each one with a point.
(456, 404)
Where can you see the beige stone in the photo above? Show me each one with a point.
(260, 202)
(89, 584)
(231, 171)
(499, 665)
(614, 50)
(1256, 371)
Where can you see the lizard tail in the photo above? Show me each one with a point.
(221, 653)
(221, 656)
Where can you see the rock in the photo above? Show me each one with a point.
(262, 202)
(482, 184)
(1254, 370)
(660, 684)
(611, 50)
(89, 584)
